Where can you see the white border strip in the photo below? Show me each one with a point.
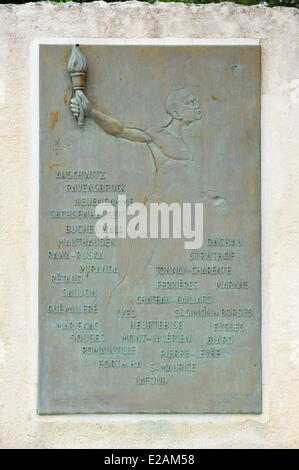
(153, 41)
(265, 241)
(34, 212)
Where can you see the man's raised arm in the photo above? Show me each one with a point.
(108, 124)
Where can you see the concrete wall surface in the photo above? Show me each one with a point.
(277, 30)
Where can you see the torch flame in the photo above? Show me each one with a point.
(77, 61)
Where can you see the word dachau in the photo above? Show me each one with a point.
(144, 221)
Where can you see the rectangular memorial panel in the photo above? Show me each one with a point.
(149, 319)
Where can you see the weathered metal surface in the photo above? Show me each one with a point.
(144, 325)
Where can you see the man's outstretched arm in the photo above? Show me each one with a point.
(107, 123)
(113, 127)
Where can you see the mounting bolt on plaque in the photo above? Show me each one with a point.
(77, 68)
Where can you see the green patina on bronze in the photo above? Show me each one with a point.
(145, 325)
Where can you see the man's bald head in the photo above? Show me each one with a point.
(182, 104)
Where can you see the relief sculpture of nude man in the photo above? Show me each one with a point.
(165, 143)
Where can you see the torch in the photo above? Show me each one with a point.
(77, 68)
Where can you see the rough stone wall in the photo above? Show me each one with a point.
(278, 32)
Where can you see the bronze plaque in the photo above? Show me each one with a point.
(149, 324)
